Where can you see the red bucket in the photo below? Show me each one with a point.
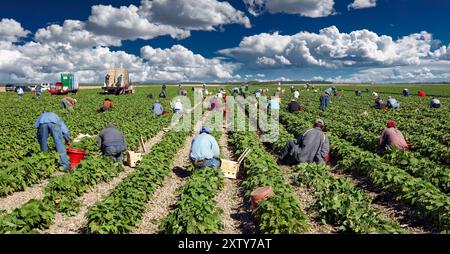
(328, 158)
(75, 156)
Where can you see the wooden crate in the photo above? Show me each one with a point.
(133, 159)
(230, 169)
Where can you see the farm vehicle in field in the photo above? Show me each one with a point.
(117, 81)
(68, 84)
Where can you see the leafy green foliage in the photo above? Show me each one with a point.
(281, 214)
(196, 211)
(122, 209)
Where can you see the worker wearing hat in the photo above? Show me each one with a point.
(311, 146)
(205, 151)
(392, 137)
(157, 108)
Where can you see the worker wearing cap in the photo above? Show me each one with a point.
(205, 151)
(51, 123)
(68, 102)
(311, 146)
(296, 94)
(406, 92)
(112, 142)
(157, 108)
(392, 137)
(435, 103)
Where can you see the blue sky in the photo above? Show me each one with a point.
(214, 47)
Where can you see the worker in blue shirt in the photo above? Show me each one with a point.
(393, 103)
(273, 104)
(157, 108)
(50, 123)
(329, 91)
(205, 151)
(112, 142)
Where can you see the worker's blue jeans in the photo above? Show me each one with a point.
(324, 103)
(212, 163)
(116, 151)
(56, 132)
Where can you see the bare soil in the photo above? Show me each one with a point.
(75, 224)
(236, 218)
(165, 197)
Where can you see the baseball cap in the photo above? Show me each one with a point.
(204, 130)
(319, 121)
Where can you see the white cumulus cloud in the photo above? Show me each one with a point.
(330, 48)
(307, 8)
(362, 4)
(11, 30)
(193, 14)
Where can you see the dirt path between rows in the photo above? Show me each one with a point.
(388, 207)
(165, 197)
(18, 199)
(306, 200)
(236, 218)
(75, 224)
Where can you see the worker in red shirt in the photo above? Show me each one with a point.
(392, 137)
(422, 94)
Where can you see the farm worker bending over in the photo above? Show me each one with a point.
(296, 94)
(20, 92)
(435, 103)
(422, 94)
(273, 104)
(107, 105)
(50, 123)
(178, 107)
(391, 136)
(257, 93)
(235, 91)
(293, 106)
(205, 151)
(157, 108)
(38, 90)
(330, 91)
(311, 146)
(324, 101)
(68, 102)
(393, 103)
(379, 104)
(112, 143)
(215, 104)
(406, 92)
(358, 93)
